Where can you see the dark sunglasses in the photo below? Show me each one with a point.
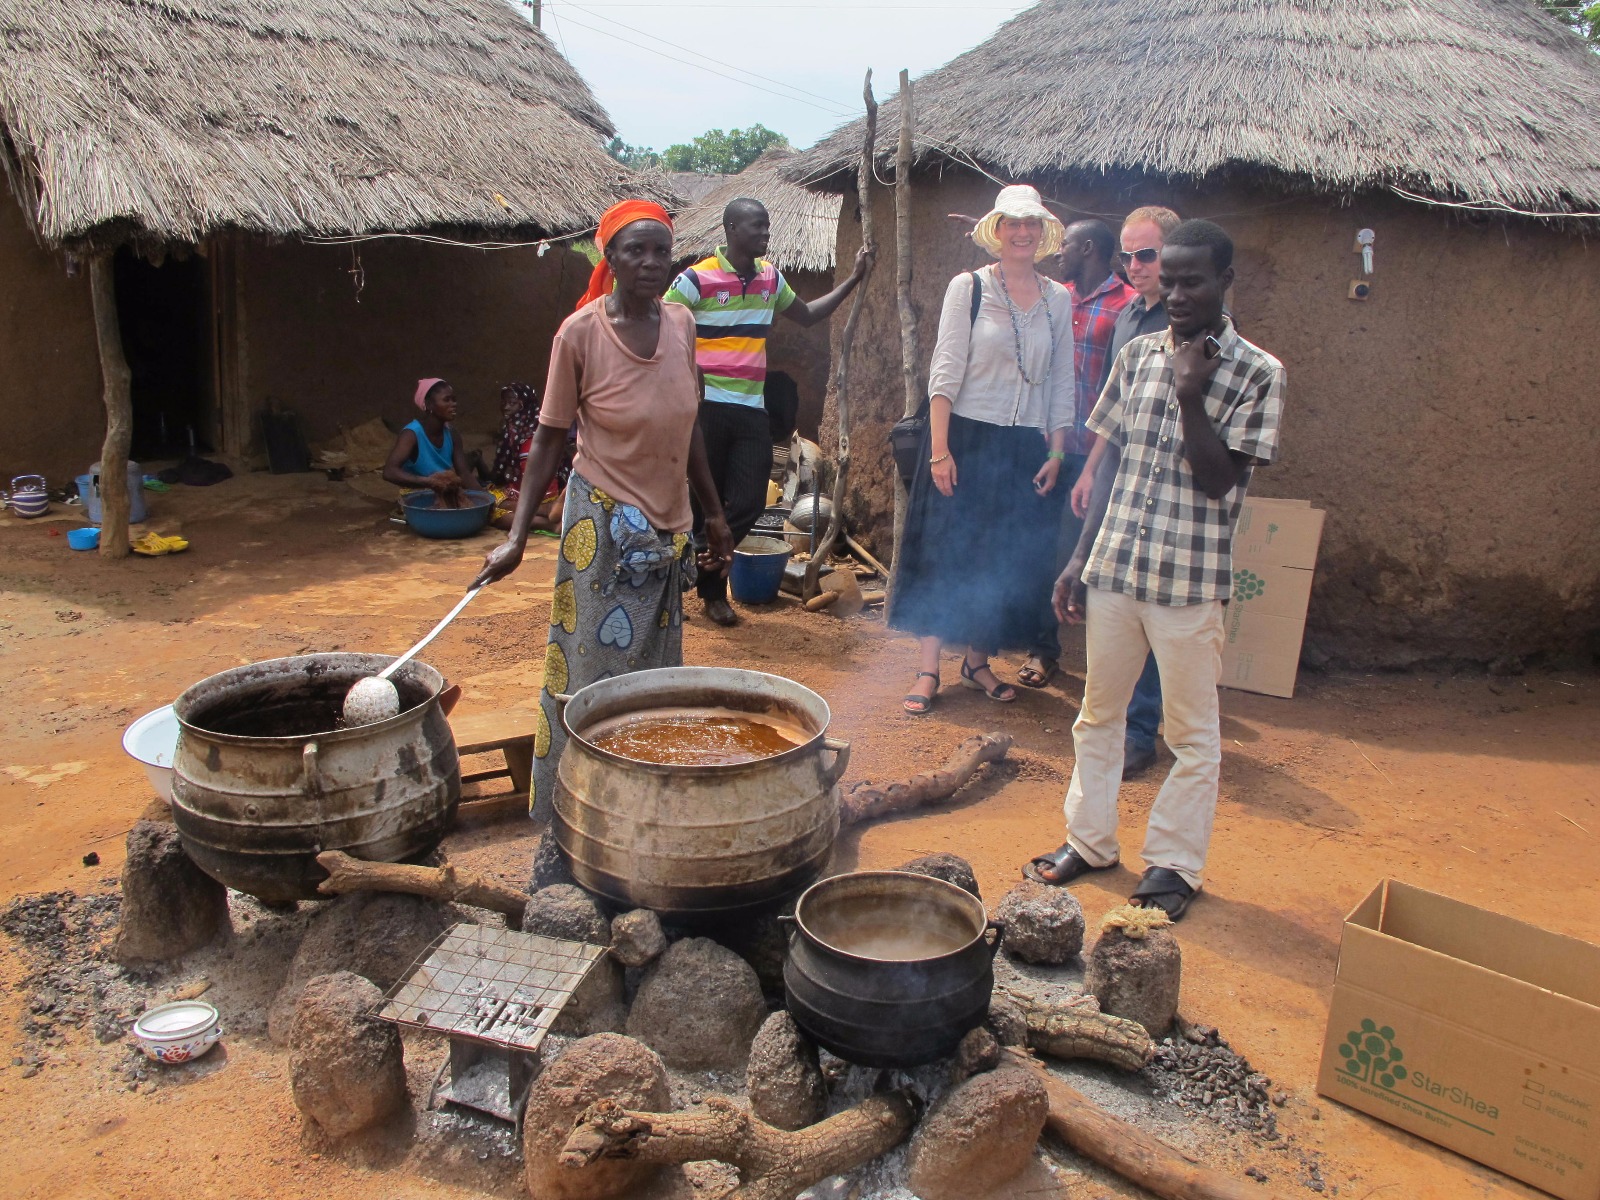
(1147, 256)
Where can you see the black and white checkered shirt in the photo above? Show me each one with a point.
(1163, 539)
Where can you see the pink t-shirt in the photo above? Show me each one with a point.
(635, 415)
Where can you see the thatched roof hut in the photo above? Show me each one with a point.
(805, 223)
(1443, 412)
(162, 122)
(1485, 102)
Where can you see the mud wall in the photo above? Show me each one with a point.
(339, 335)
(804, 353)
(1448, 424)
(48, 359)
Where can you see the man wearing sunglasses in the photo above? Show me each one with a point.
(1144, 232)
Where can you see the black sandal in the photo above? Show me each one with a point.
(1065, 864)
(1165, 889)
(916, 703)
(1003, 693)
(1028, 677)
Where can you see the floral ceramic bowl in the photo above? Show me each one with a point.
(178, 1032)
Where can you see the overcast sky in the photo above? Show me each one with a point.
(812, 52)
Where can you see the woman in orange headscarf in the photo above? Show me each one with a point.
(623, 368)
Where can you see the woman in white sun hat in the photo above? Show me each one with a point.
(977, 556)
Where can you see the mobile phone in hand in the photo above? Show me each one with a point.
(1213, 348)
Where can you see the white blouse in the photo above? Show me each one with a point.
(975, 362)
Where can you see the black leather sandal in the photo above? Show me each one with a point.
(1164, 889)
(1003, 693)
(1063, 864)
(916, 703)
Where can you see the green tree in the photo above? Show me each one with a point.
(717, 153)
(1583, 18)
(632, 156)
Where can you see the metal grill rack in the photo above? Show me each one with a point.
(495, 994)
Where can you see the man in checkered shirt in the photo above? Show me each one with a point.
(1190, 411)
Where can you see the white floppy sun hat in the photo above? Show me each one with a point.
(1021, 203)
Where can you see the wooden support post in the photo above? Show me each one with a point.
(841, 389)
(902, 290)
(115, 502)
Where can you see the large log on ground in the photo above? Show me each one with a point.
(866, 801)
(774, 1164)
(346, 874)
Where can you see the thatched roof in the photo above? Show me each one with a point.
(804, 223)
(163, 120)
(690, 187)
(1486, 101)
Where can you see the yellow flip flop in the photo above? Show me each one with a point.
(153, 544)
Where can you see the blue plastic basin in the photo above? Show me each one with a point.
(86, 538)
(431, 522)
(757, 570)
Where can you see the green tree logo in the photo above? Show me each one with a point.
(1247, 585)
(1370, 1055)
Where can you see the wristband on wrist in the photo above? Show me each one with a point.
(1058, 455)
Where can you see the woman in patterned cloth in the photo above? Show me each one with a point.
(519, 411)
(623, 367)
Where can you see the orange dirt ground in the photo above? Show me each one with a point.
(1485, 789)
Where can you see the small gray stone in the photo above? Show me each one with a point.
(565, 910)
(783, 1077)
(636, 938)
(699, 1006)
(550, 866)
(1043, 924)
(1007, 1020)
(169, 905)
(949, 867)
(605, 1067)
(981, 1135)
(345, 1065)
(1137, 978)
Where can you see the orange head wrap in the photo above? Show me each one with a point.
(616, 217)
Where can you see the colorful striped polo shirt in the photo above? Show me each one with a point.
(732, 317)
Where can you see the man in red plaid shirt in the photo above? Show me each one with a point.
(1098, 295)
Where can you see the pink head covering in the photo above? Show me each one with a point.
(424, 386)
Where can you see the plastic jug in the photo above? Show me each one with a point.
(89, 490)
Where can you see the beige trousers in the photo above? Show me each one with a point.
(1187, 642)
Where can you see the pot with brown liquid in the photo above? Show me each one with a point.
(697, 791)
(888, 968)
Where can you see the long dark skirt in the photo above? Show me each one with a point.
(976, 568)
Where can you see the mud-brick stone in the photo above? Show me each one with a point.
(1007, 1021)
(607, 1066)
(169, 905)
(1043, 924)
(784, 1076)
(565, 910)
(951, 868)
(377, 935)
(699, 1006)
(637, 939)
(1137, 978)
(597, 1006)
(981, 1135)
(345, 1064)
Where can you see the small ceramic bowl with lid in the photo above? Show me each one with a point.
(178, 1032)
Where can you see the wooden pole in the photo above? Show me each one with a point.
(841, 386)
(114, 499)
(902, 292)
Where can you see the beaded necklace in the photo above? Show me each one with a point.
(1016, 329)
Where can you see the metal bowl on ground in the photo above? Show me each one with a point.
(698, 841)
(152, 741)
(431, 522)
(264, 779)
(888, 968)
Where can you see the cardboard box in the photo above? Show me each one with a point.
(1475, 1031)
(1274, 560)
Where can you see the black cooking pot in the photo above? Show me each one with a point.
(888, 968)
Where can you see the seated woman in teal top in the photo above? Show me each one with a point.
(426, 453)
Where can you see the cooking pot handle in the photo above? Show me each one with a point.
(999, 928)
(789, 924)
(311, 776)
(841, 758)
(562, 699)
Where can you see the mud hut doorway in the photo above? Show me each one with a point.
(165, 314)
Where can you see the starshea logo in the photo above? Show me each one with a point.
(1455, 1095)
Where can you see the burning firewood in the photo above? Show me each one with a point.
(1132, 1153)
(866, 801)
(346, 874)
(774, 1164)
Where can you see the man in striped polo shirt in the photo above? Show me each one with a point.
(734, 294)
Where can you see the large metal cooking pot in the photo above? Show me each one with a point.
(706, 840)
(889, 969)
(264, 780)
